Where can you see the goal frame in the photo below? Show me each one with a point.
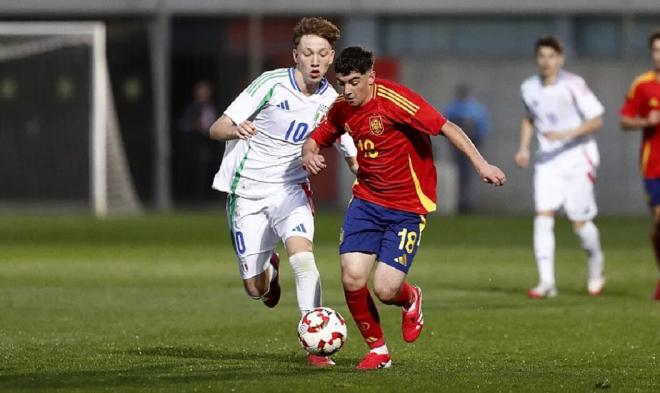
(98, 98)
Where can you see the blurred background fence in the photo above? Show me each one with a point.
(169, 60)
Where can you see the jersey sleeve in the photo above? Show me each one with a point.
(585, 100)
(346, 146)
(409, 108)
(253, 98)
(328, 130)
(631, 106)
(528, 111)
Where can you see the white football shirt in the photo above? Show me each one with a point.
(564, 105)
(284, 117)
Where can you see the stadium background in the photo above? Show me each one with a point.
(157, 50)
(153, 302)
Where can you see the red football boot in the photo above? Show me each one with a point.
(656, 295)
(374, 361)
(412, 319)
(320, 361)
(273, 296)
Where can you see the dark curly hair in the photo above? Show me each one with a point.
(654, 36)
(549, 42)
(354, 58)
(316, 26)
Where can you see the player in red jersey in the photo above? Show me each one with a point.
(395, 189)
(641, 110)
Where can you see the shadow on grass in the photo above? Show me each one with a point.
(207, 354)
(217, 367)
(269, 359)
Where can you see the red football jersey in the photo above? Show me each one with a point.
(392, 133)
(643, 97)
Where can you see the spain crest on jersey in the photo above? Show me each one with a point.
(376, 125)
(654, 103)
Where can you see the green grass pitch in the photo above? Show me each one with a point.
(156, 304)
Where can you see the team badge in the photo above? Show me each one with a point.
(653, 102)
(376, 125)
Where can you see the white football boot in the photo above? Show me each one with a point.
(595, 285)
(542, 291)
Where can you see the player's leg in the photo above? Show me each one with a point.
(396, 254)
(652, 187)
(548, 195)
(253, 242)
(293, 220)
(361, 237)
(581, 209)
(355, 270)
(292, 217)
(655, 237)
(308, 283)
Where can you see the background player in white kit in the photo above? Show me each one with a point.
(565, 114)
(268, 196)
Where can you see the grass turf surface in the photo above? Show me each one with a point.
(156, 304)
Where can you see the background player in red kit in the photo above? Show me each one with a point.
(395, 189)
(641, 110)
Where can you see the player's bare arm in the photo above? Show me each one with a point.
(637, 123)
(526, 130)
(313, 162)
(352, 164)
(488, 173)
(588, 127)
(225, 129)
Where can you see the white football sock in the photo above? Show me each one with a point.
(382, 350)
(590, 241)
(544, 248)
(308, 281)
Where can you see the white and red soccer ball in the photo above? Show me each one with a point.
(322, 331)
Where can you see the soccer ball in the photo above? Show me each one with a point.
(322, 331)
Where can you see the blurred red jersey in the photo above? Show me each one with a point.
(392, 133)
(643, 97)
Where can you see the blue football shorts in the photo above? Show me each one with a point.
(393, 235)
(652, 187)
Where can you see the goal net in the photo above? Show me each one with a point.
(60, 143)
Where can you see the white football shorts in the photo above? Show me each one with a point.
(567, 186)
(257, 225)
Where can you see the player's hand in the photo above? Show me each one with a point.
(245, 130)
(522, 158)
(492, 175)
(654, 117)
(314, 163)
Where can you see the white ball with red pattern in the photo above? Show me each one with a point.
(322, 331)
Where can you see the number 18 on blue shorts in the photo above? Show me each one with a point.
(392, 235)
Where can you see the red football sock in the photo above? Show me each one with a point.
(365, 314)
(405, 297)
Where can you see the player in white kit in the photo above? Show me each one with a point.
(564, 113)
(268, 195)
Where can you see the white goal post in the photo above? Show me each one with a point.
(110, 185)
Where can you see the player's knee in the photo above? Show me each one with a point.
(655, 233)
(352, 279)
(385, 293)
(303, 263)
(577, 225)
